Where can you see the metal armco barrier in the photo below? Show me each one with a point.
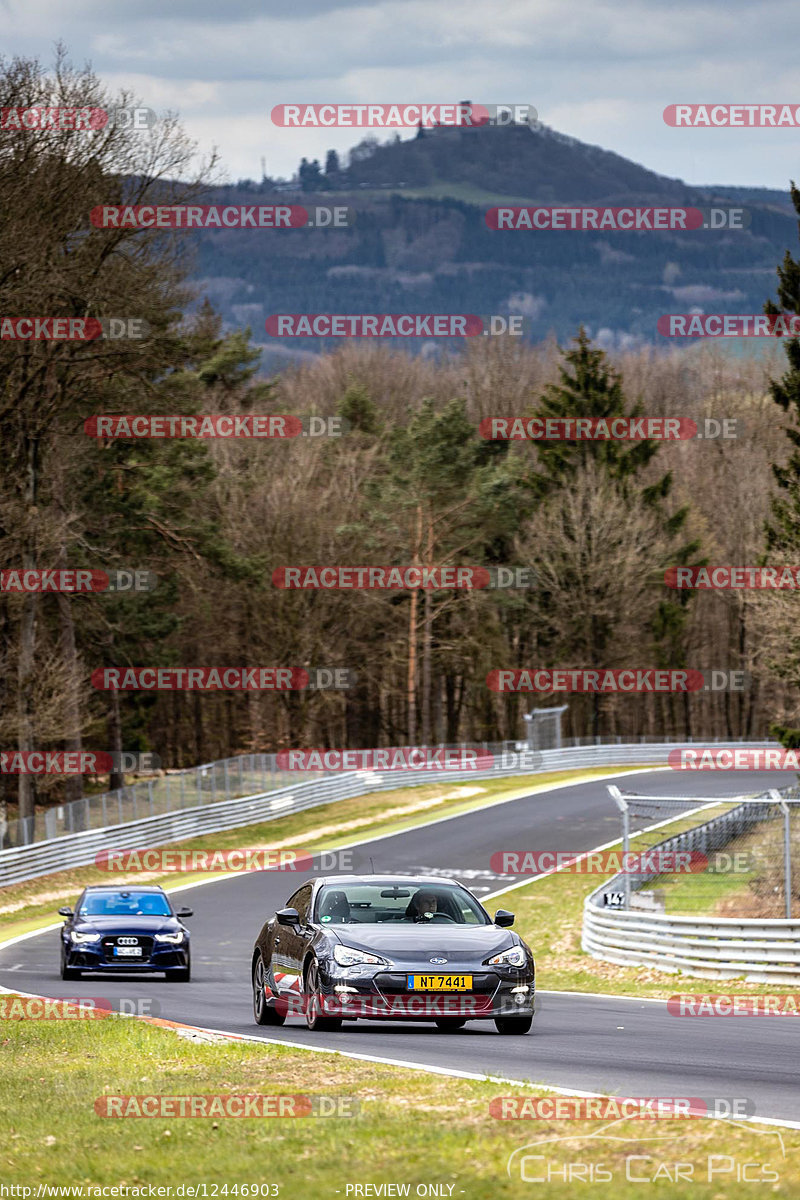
(760, 950)
(79, 849)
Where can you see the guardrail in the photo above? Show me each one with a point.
(708, 947)
(79, 849)
(214, 783)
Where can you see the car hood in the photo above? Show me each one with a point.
(414, 943)
(122, 924)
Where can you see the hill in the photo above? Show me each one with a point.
(420, 242)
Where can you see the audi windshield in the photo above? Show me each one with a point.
(125, 904)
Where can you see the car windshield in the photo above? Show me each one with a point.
(376, 903)
(125, 904)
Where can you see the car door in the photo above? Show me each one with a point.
(290, 944)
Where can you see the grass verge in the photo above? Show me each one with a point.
(550, 917)
(412, 1128)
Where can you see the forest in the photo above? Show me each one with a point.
(403, 475)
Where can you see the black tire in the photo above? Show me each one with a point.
(315, 1020)
(450, 1024)
(181, 976)
(265, 1014)
(514, 1024)
(68, 972)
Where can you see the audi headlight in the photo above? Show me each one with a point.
(513, 957)
(170, 937)
(345, 956)
(84, 937)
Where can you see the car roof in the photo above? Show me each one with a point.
(124, 887)
(388, 880)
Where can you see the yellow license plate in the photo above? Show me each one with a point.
(439, 983)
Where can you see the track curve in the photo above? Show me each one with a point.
(594, 1043)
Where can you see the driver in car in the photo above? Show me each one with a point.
(421, 907)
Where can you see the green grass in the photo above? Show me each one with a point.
(33, 904)
(410, 1128)
(754, 892)
(550, 917)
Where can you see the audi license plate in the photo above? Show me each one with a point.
(439, 983)
(128, 951)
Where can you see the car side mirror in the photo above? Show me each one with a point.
(185, 912)
(288, 916)
(65, 912)
(503, 918)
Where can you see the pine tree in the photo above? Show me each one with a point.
(590, 387)
(783, 528)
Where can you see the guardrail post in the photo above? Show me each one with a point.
(787, 849)
(225, 776)
(622, 805)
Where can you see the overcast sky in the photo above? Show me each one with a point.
(600, 71)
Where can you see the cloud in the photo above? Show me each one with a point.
(599, 70)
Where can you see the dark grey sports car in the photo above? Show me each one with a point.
(411, 948)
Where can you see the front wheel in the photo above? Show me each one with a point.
(67, 972)
(513, 1024)
(265, 1014)
(314, 1015)
(181, 975)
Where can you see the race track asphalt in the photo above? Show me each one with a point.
(594, 1043)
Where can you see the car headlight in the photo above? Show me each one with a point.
(513, 957)
(84, 937)
(170, 937)
(347, 957)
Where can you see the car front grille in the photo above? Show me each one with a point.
(146, 944)
(396, 984)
